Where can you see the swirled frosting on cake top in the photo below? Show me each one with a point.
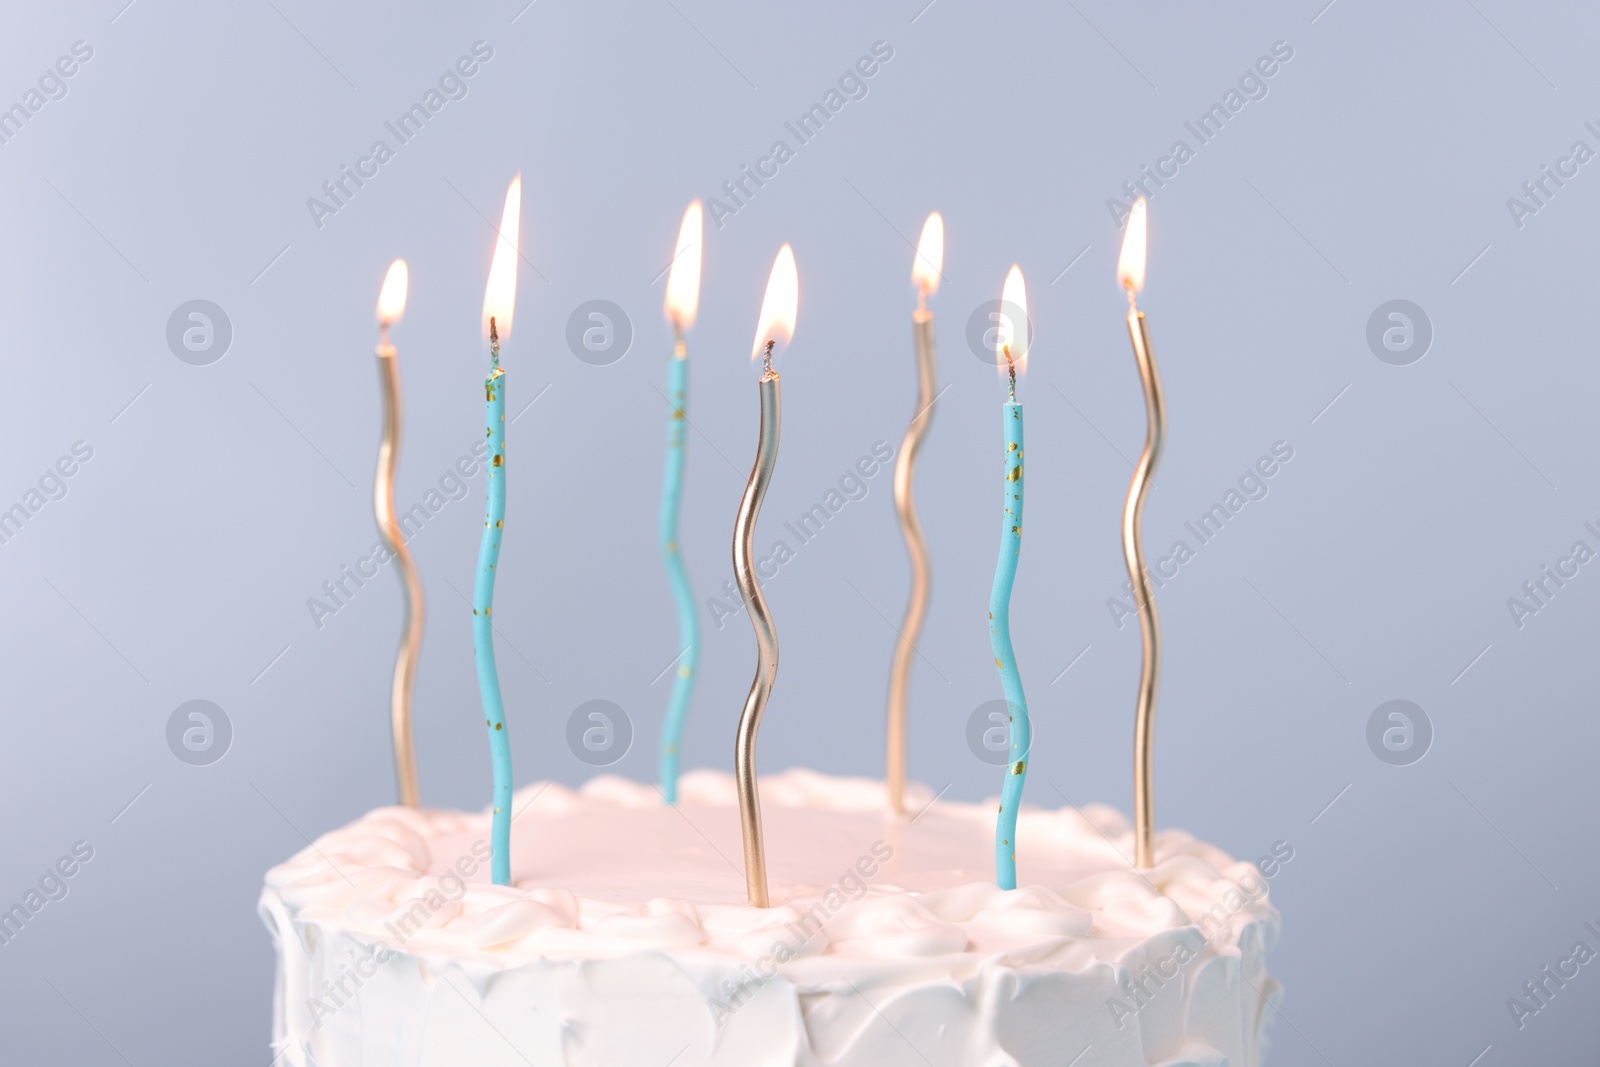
(625, 937)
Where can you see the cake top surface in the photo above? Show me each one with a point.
(610, 869)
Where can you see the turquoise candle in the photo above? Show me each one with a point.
(682, 304)
(494, 711)
(688, 622)
(1005, 573)
(1012, 342)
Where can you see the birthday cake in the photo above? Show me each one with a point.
(612, 925)
(625, 937)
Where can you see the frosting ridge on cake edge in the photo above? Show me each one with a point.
(883, 927)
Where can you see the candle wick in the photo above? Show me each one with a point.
(677, 338)
(1011, 373)
(494, 343)
(766, 356)
(1133, 303)
(922, 298)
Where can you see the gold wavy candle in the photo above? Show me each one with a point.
(776, 323)
(391, 306)
(1130, 272)
(925, 275)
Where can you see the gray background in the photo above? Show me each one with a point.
(179, 563)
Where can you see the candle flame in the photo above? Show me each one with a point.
(500, 295)
(1130, 265)
(392, 297)
(930, 256)
(683, 283)
(778, 307)
(1011, 332)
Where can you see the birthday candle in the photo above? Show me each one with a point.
(1011, 348)
(391, 306)
(925, 275)
(683, 300)
(499, 299)
(775, 324)
(1130, 273)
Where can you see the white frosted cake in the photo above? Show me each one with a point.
(626, 940)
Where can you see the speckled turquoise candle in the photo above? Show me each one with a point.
(1005, 573)
(494, 711)
(683, 594)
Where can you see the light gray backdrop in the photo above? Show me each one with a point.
(218, 498)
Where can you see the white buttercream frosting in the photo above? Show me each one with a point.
(626, 939)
